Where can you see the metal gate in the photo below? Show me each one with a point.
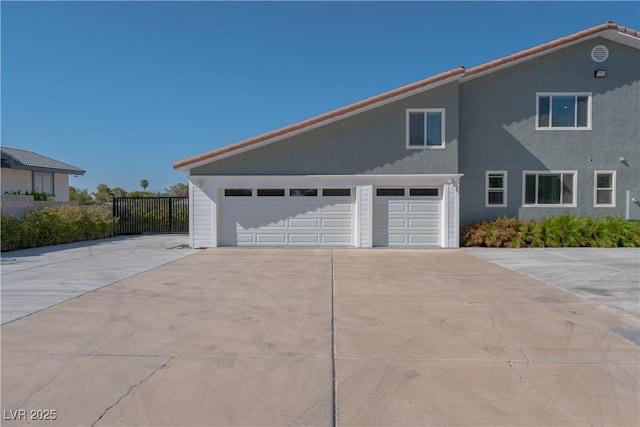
(163, 215)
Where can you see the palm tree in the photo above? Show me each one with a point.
(144, 184)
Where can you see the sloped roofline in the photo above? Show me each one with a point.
(13, 161)
(609, 29)
(321, 120)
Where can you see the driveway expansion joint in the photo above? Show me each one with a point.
(333, 346)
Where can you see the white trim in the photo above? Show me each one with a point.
(454, 189)
(364, 216)
(231, 153)
(623, 38)
(504, 188)
(267, 181)
(613, 189)
(442, 127)
(191, 205)
(589, 96)
(574, 190)
(444, 217)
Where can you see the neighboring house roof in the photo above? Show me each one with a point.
(609, 30)
(14, 158)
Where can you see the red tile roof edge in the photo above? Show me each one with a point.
(551, 45)
(610, 25)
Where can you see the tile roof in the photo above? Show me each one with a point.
(551, 45)
(459, 72)
(23, 159)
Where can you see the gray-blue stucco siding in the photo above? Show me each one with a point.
(498, 130)
(371, 142)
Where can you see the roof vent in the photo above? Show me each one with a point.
(599, 53)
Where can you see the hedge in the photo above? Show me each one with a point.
(555, 232)
(55, 225)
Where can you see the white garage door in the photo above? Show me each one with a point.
(407, 217)
(287, 217)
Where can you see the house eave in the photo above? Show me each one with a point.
(43, 170)
(284, 180)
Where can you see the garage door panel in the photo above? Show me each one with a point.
(338, 208)
(336, 239)
(276, 224)
(426, 206)
(397, 207)
(423, 223)
(397, 223)
(304, 239)
(304, 223)
(397, 239)
(406, 221)
(244, 238)
(270, 238)
(422, 239)
(336, 223)
(301, 221)
(304, 209)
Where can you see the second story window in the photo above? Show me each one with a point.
(563, 111)
(425, 128)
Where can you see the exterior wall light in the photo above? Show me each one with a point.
(600, 74)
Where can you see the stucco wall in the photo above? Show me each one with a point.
(373, 142)
(497, 129)
(15, 180)
(61, 187)
(21, 180)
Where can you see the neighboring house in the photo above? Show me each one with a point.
(547, 131)
(25, 171)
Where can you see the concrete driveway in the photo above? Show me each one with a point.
(34, 279)
(323, 337)
(606, 276)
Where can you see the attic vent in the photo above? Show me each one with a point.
(599, 53)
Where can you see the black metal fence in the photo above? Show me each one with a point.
(137, 215)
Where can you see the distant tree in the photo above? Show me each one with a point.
(81, 196)
(139, 193)
(104, 194)
(178, 190)
(144, 184)
(119, 192)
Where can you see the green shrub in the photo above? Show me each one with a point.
(37, 197)
(55, 225)
(556, 232)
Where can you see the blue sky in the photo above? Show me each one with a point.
(124, 89)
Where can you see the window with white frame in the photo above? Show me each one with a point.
(496, 189)
(563, 111)
(604, 189)
(425, 128)
(43, 182)
(549, 188)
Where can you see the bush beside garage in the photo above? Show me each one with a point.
(554, 232)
